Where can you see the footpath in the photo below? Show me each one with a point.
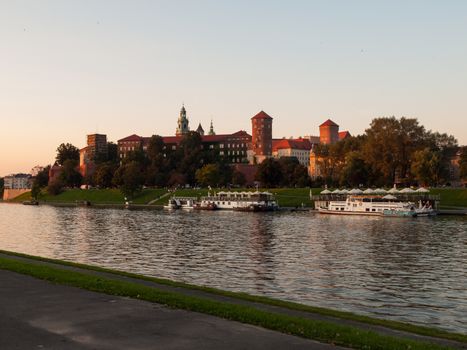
(35, 313)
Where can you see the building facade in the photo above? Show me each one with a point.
(17, 181)
(97, 146)
(299, 148)
(232, 147)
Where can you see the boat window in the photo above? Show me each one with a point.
(373, 209)
(367, 209)
(342, 208)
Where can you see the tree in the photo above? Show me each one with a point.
(104, 174)
(70, 176)
(463, 163)
(208, 175)
(293, 173)
(129, 178)
(269, 173)
(2, 186)
(112, 150)
(35, 190)
(355, 171)
(55, 187)
(67, 152)
(238, 178)
(42, 177)
(425, 167)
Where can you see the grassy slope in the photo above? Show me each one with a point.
(319, 330)
(106, 196)
(287, 197)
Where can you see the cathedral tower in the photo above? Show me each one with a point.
(182, 123)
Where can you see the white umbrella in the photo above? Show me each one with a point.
(380, 191)
(407, 190)
(368, 191)
(422, 190)
(389, 196)
(336, 191)
(393, 190)
(325, 192)
(355, 191)
(344, 191)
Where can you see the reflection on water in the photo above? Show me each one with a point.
(412, 270)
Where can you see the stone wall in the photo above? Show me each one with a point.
(10, 194)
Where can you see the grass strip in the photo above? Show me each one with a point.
(406, 327)
(312, 329)
(396, 325)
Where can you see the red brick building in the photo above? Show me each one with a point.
(261, 142)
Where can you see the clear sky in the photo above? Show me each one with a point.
(69, 68)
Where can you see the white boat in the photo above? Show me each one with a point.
(369, 205)
(241, 201)
(425, 210)
(187, 203)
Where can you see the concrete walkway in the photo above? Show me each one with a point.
(35, 314)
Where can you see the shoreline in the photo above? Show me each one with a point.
(326, 325)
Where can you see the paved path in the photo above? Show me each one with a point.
(35, 314)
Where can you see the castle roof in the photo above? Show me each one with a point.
(302, 144)
(262, 115)
(328, 122)
(133, 137)
(344, 135)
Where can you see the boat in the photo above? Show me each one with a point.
(187, 203)
(31, 202)
(425, 210)
(205, 206)
(370, 206)
(241, 201)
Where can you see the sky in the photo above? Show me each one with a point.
(71, 68)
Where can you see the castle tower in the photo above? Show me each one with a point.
(328, 132)
(211, 129)
(200, 130)
(182, 123)
(261, 141)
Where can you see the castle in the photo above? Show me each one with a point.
(241, 149)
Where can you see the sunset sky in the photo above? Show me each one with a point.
(70, 68)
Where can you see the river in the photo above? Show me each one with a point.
(412, 270)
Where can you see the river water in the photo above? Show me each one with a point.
(412, 270)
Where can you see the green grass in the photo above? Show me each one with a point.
(432, 332)
(313, 329)
(452, 197)
(95, 196)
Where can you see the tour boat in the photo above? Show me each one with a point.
(31, 202)
(241, 201)
(187, 203)
(370, 205)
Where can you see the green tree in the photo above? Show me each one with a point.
(42, 178)
(293, 173)
(70, 176)
(129, 178)
(2, 186)
(269, 173)
(425, 167)
(355, 171)
(67, 152)
(103, 175)
(208, 175)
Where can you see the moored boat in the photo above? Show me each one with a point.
(241, 201)
(31, 202)
(370, 206)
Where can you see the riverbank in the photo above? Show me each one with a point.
(330, 326)
(451, 198)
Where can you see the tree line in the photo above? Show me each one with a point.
(391, 150)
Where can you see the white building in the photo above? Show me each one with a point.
(298, 148)
(17, 181)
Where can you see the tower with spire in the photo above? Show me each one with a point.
(200, 130)
(211, 129)
(182, 123)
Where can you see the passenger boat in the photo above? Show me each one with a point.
(371, 206)
(205, 206)
(241, 201)
(187, 203)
